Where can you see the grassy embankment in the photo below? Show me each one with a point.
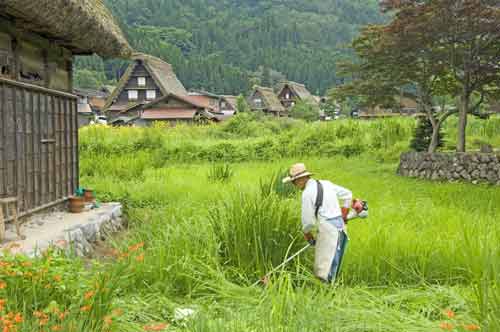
(198, 242)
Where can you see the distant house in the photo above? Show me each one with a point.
(229, 103)
(38, 114)
(265, 100)
(405, 106)
(85, 113)
(289, 93)
(146, 79)
(223, 107)
(173, 109)
(95, 98)
(90, 103)
(209, 100)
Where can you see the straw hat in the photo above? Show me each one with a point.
(297, 171)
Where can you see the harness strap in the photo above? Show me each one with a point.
(319, 198)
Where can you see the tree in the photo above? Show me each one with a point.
(464, 36)
(305, 111)
(389, 67)
(89, 79)
(424, 134)
(242, 105)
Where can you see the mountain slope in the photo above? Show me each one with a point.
(227, 45)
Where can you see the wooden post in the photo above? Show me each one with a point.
(13, 209)
(2, 225)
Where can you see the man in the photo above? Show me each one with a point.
(320, 203)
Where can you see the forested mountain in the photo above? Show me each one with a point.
(225, 46)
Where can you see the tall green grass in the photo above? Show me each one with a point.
(197, 243)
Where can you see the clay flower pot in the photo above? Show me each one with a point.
(88, 195)
(76, 204)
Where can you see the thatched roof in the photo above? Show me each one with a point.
(83, 26)
(269, 99)
(161, 72)
(299, 89)
(231, 100)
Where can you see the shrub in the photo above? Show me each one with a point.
(423, 136)
(305, 111)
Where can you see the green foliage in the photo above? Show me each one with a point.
(219, 45)
(89, 79)
(220, 173)
(423, 135)
(254, 233)
(245, 137)
(275, 186)
(242, 104)
(305, 111)
(196, 243)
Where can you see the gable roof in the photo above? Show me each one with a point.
(270, 99)
(83, 26)
(184, 99)
(161, 72)
(231, 100)
(299, 89)
(150, 111)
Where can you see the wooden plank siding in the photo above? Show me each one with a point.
(38, 145)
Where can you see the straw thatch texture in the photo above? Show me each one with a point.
(83, 26)
(270, 100)
(231, 100)
(161, 72)
(299, 90)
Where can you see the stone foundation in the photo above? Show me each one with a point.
(469, 167)
(77, 233)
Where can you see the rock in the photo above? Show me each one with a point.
(492, 177)
(486, 148)
(465, 175)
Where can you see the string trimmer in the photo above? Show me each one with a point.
(351, 216)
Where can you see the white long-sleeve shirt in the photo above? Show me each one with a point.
(329, 209)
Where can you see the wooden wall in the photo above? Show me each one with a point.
(132, 84)
(38, 144)
(34, 59)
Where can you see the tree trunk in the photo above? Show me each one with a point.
(462, 122)
(435, 137)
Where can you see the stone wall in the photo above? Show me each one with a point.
(470, 167)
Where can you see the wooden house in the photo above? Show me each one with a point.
(229, 103)
(222, 107)
(90, 104)
(173, 109)
(208, 100)
(38, 110)
(146, 79)
(265, 100)
(289, 93)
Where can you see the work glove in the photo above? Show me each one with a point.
(358, 206)
(310, 238)
(345, 214)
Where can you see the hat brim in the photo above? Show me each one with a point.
(289, 179)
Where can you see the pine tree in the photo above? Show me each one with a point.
(423, 135)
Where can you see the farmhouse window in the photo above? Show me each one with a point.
(287, 96)
(141, 81)
(150, 94)
(133, 95)
(257, 101)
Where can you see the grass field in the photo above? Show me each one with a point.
(206, 224)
